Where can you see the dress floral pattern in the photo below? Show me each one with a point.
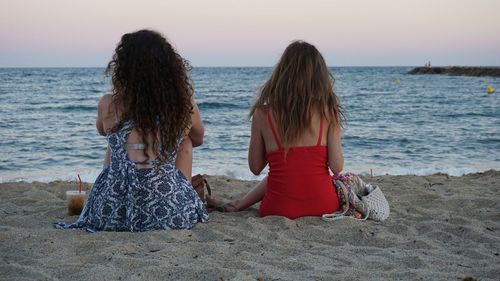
(125, 198)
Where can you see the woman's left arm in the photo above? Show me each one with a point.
(335, 153)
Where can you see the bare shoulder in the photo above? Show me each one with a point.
(105, 101)
(258, 117)
(336, 127)
(104, 104)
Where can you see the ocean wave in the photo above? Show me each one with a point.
(470, 114)
(87, 175)
(219, 105)
(402, 170)
(68, 108)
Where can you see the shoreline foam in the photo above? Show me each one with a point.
(440, 228)
(89, 175)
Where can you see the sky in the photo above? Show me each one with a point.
(77, 33)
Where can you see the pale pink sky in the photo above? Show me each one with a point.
(254, 33)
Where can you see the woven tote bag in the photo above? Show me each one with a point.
(360, 196)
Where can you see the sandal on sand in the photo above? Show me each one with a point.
(199, 183)
(220, 206)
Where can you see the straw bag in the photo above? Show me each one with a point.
(358, 199)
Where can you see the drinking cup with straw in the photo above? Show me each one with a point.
(75, 199)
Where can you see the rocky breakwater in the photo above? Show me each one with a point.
(458, 71)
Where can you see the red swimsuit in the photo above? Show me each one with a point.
(300, 184)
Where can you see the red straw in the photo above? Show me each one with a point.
(80, 183)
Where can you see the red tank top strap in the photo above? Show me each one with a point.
(270, 121)
(320, 138)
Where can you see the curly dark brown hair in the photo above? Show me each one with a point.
(152, 87)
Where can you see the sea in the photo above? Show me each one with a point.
(397, 124)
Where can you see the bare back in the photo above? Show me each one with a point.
(308, 138)
(262, 141)
(107, 117)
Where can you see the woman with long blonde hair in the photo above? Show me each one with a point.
(296, 130)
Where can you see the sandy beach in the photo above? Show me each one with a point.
(440, 228)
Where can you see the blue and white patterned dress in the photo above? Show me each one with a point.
(125, 198)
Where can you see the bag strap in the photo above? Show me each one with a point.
(339, 215)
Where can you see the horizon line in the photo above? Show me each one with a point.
(254, 66)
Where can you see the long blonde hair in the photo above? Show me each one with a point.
(299, 85)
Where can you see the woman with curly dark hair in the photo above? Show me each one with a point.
(151, 123)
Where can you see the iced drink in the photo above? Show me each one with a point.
(76, 201)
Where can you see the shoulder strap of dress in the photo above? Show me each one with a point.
(320, 132)
(124, 131)
(270, 121)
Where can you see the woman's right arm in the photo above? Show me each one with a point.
(257, 149)
(197, 131)
(335, 154)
